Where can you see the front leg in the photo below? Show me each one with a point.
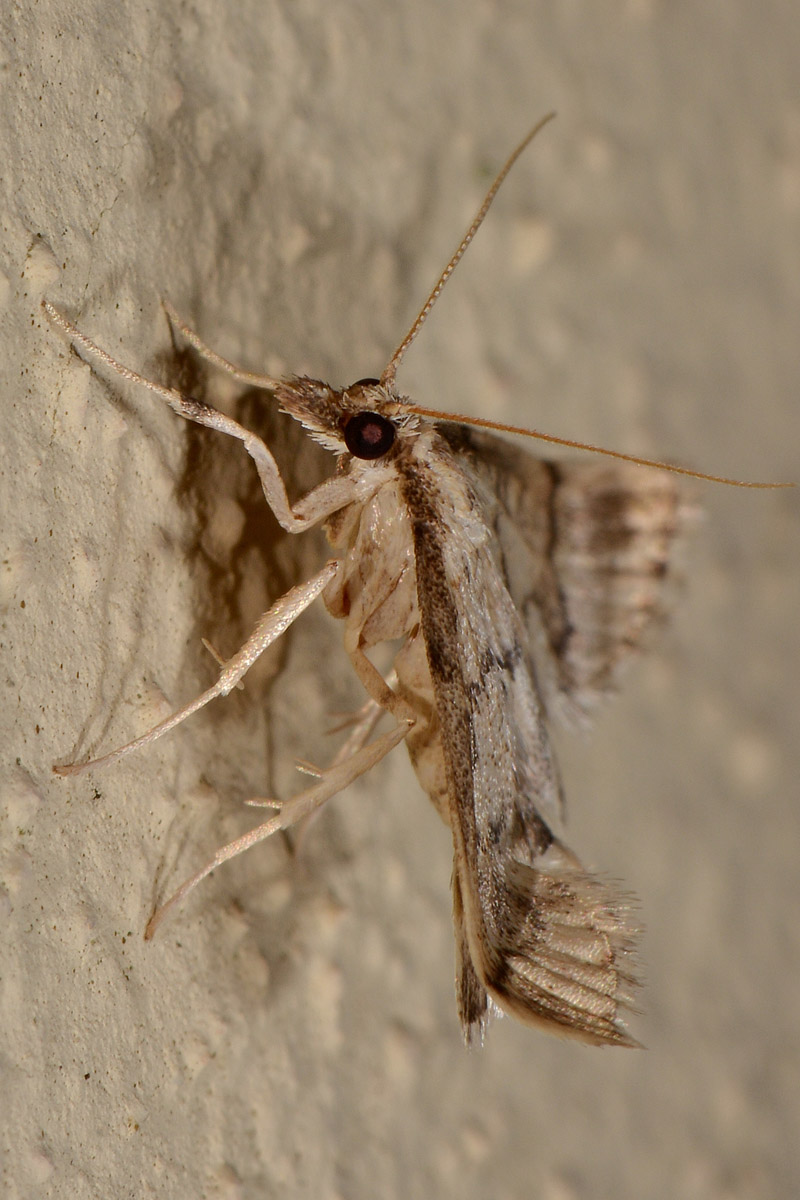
(321, 502)
(267, 383)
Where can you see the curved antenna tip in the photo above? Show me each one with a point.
(572, 444)
(387, 378)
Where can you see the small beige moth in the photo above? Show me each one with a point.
(517, 588)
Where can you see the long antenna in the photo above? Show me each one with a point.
(387, 378)
(501, 427)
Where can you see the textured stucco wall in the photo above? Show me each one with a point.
(293, 175)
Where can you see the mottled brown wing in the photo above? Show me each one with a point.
(535, 932)
(586, 549)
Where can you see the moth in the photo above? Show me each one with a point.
(518, 588)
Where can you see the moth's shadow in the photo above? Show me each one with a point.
(241, 561)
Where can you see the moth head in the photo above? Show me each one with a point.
(364, 419)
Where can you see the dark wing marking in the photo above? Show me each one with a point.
(585, 548)
(545, 940)
(471, 996)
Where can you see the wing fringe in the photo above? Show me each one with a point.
(562, 952)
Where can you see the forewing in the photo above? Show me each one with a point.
(586, 549)
(545, 940)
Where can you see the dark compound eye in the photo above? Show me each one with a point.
(366, 383)
(369, 435)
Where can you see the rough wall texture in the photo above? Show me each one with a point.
(292, 176)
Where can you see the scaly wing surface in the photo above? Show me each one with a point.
(586, 549)
(535, 932)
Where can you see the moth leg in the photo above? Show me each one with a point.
(299, 807)
(362, 724)
(340, 774)
(268, 629)
(249, 378)
(218, 659)
(376, 686)
(319, 503)
(365, 721)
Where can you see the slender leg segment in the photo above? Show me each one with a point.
(269, 628)
(353, 760)
(248, 378)
(330, 496)
(362, 725)
(300, 807)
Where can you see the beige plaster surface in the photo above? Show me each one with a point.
(293, 175)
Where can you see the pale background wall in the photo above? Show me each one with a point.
(293, 175)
